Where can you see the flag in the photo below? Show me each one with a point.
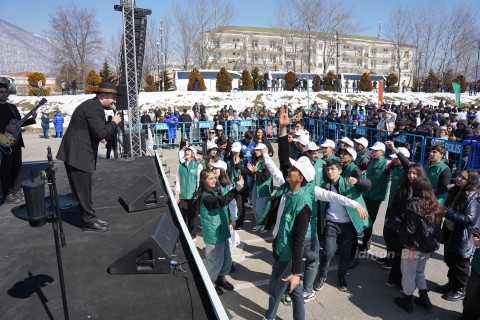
(457, 89)
(380, 94)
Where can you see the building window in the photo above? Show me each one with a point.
(255, 58)
(273, 44)
(405, 65)
(406, 54)
(332, 62)
(359, 64)
(255, 44)
(374, 52)
(320, 65)
(373, 64)
(216, 44)
(320, 46)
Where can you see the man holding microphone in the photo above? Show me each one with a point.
(79, 149)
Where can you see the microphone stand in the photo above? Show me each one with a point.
(56, 221)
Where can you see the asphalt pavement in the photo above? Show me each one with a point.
(368, 297)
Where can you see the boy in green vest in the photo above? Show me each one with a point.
(438, 172)
(328, 149)
(289, 211)
(187, 179)
(363, 155)
(341, 223)
(377, 174)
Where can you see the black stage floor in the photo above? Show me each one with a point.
(30, 283)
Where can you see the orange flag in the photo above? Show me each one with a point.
(380, 94)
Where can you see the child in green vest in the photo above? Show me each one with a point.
(438, 172)
(216, 227)
(186, 187)
(262, 184)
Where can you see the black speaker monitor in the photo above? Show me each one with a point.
(149, 250)
(142, 195)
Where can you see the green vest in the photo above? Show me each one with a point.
(215, 223)
(360, 158)
(433, 171)
(294, 203)
(332, 157)
(234, 174)
(264, 189)
(293, 152)
(188, 179)
(476, 261)
(347, 172)
(376, 174)
(319, 174)
(350, 192)
(397, 176)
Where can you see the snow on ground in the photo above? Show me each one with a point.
(239, 100)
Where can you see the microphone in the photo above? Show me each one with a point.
(113, 108)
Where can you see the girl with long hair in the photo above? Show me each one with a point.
(215, 221)
(462, 213)
(417, 237)
(261, 137)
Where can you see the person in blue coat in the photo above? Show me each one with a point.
(58, 123)
(172, 121)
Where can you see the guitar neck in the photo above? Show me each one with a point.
(41, 103)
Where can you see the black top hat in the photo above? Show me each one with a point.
(107, 87)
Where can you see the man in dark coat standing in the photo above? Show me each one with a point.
(79, 149)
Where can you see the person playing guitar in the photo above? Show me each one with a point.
(11, 157)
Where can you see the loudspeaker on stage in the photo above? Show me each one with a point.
(142, 195)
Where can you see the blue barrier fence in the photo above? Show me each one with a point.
(165, 135)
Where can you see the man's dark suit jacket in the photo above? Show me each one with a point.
(87, 128)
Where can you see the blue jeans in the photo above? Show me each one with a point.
(45, 132)
(277, 287)
(343, 234)
(218, 259)
(311, 254)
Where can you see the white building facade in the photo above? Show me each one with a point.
(268, 49)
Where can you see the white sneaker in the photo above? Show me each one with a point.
(263, 230)
(256, 228)
(309, 296)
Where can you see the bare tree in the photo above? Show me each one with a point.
(399, 31)
(75, 36)
(114, 51)
(185, 35)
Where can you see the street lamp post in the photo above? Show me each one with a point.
(162, 86)
(476, 67)
(158, 65)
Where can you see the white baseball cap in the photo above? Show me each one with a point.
(362, 141)
(328, 143)
(259, 146)
(212, 146)
(220, 164)
(378, 146)
(347, 141)
(304, 165)
(352, 152)
(236, 147)
(191, 147)
(403, 151)
(312, 146)
(301, 132)
(302, 139)
(219, 127)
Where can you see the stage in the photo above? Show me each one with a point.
(30, 282)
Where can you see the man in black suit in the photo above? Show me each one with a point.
(79, 149)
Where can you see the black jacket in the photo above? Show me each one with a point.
(414, 230)
(460, 240)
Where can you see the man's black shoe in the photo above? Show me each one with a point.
(318, 283)
(102, 222)
(342, 284)
(444, 288)
(223, 283)
(94, 226)
(219, 290)
(455, 295)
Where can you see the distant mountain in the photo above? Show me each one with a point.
(24, 51)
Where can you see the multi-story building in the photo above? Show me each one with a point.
(275, 49)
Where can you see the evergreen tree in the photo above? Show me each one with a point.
(290, 79)
(191, 81)
(463, 83)
(257, 78)
(316, 83)
(331, 77)
(106, 74)
(151, 86)
(224, 81)
(247, 81)
(366, 82)
(93, 80)
(433, 79)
